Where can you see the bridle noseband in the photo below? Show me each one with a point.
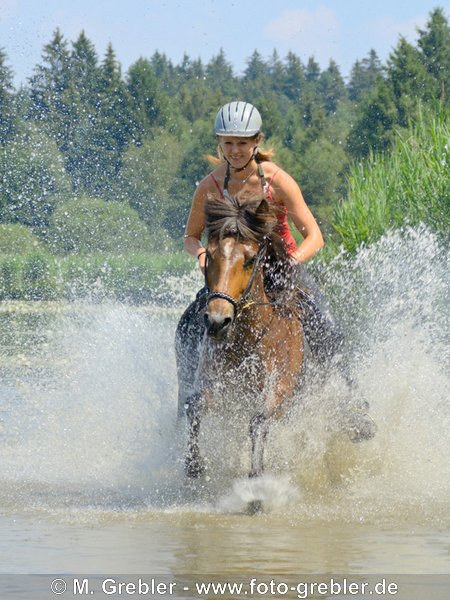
(240, 304)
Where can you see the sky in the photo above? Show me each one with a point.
(345, 30)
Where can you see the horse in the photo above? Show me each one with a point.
(247, 310)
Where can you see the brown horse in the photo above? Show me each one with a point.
(249, 314)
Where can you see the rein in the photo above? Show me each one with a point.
(240, 304)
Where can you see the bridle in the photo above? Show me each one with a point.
(243, 302)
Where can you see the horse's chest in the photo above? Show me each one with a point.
(237, 368)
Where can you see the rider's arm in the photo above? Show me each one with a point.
(289, 193)
(196, 224)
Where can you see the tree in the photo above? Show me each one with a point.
(331, 88)
(364, 76)
(320, 178)
(255, 82)
(373, 128)
(79, 150)
(312, 110)
(434, 43)
(312, 71)
(165, 72)
(407, 79)
(112, 128)
(276, 73)
(149, 174)
(84, 70)
(6, 100)
(148, 103)
(294, 79)
(33, 178)
(220, 77)
(50, 89)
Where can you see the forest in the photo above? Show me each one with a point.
(98, 167)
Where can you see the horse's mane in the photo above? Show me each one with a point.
(250, 220)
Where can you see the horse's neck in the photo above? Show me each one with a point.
(256, 311)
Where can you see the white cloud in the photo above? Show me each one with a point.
(307, 32)
(389, 30)
(384, 34)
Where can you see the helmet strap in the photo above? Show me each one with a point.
(238, 170)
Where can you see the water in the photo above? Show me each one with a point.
(91, 470)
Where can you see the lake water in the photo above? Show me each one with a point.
(91, 452)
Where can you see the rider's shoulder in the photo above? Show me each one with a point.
(205, 185)
(274, 173)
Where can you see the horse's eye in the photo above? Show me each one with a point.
(250, 262)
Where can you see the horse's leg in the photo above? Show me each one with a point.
(194, 465)
(188, 339)
(276, 404)
(259, 428)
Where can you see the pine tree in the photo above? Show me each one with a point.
(220, 77)
(83, 89)
(6, 100)
(149, 104)
(434, 43)
(113, 126)
(50, 84)
(165, 72)
(183, 71)
(331, 88)
(364, 76)
(373, 129)
(312, 71)
(407, 78)
(84, 68)
(294, 80)
(276, 73)
(255, 81)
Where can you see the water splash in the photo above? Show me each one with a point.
(275, 493)
(89, 405)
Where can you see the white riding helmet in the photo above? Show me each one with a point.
(239, 119)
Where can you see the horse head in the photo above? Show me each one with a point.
(238, 238)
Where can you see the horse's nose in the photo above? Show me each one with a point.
(217, 326)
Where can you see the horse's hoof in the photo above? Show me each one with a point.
(194, 467)
(254, 507)
(361, 427)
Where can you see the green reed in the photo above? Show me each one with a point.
(406, 186)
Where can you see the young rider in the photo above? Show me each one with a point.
(245, 170)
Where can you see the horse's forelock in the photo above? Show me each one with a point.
(250, 219)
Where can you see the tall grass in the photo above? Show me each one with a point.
(406, 186)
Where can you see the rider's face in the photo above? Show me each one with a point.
(237, 150)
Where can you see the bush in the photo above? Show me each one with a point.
(131, 277)
(28, 277)
(88, 225)
(17, 239)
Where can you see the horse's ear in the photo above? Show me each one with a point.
(263, 208)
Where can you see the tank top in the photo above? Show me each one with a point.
(283, 226)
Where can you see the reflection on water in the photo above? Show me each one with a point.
(91, 473)
(193, 543)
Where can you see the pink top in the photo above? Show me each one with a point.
(283, 225)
